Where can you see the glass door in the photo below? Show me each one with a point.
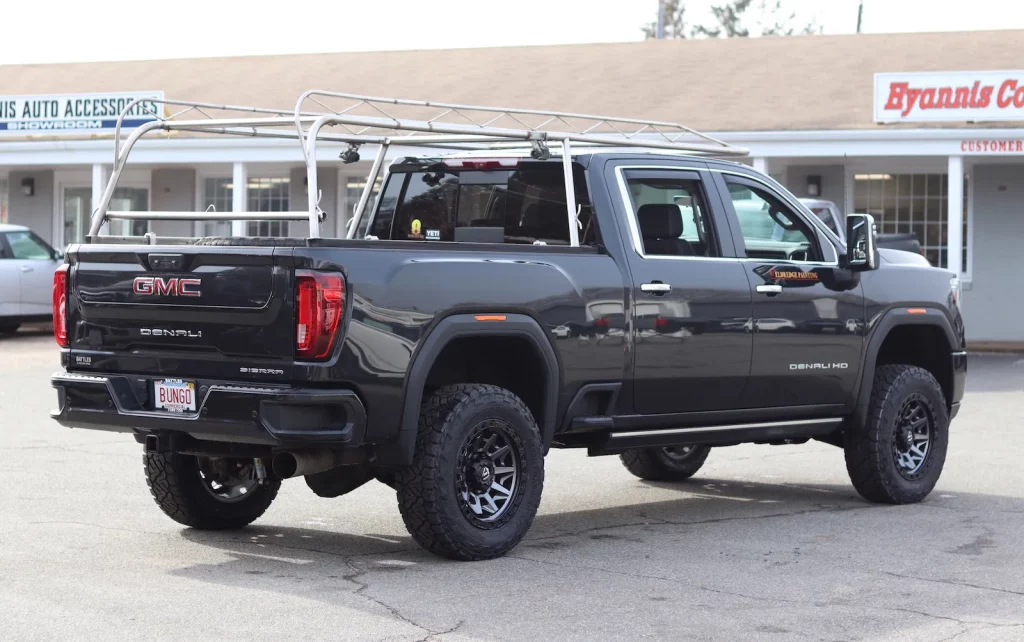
(77, 208)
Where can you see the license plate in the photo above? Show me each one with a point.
(174, 395)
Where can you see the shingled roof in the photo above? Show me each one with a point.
(743, 84)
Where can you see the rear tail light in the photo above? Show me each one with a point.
(60, 305)
(319, 304)
(661, 322)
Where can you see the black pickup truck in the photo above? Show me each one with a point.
(461, 336)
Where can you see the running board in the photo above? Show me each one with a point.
(764, 432)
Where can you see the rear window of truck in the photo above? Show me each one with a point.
(519, 203)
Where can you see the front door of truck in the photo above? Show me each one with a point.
(808, 314)
(691, 312)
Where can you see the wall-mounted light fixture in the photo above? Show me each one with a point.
(28, 186)
(814, 185)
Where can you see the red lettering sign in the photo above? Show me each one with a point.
(950, 96)
(992, 146)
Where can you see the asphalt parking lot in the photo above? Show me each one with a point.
(769, 543)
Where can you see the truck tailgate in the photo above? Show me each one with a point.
(209, 311)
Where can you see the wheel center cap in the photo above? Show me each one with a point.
(481, 476)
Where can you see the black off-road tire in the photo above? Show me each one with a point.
(428, 500)
(655, 464)
(178, 490)
(869, 448)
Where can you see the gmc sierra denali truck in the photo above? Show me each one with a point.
(468, 327)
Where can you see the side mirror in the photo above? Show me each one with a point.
(861, 243)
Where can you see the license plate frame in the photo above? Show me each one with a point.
(174, 395)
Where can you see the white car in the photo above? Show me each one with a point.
(27, 264)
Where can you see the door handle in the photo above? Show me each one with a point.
(657, 287)
(26, 268)
(770, 290)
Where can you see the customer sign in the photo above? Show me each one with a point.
(951, 96)
(76, 113)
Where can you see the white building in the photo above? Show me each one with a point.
(922, 130)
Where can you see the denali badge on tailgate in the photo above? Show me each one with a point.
(159, 286)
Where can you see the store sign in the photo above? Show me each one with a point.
(954, 96)
(75, 113)
(993, 146)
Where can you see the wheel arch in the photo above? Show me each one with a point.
(465, 325)
(900, 323)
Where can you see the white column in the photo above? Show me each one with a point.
(955, 209)
(99, 183)
(239, 196)
(760, 164)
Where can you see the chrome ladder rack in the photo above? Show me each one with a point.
(357, 120)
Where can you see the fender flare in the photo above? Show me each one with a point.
(466, 325)
(888, 320)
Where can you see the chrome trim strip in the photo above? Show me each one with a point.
(634, 230)
(683, 431)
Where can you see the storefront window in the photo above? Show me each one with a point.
(353, 191)
(264, 194)
(216, 196)
(911, 203)
(268, 195)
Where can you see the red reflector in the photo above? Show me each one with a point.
(60, 305)
(319, 306)
(661, 322)
(601, 323)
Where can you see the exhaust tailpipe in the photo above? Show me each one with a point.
(303, 462)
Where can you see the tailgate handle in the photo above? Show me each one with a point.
(174, 262)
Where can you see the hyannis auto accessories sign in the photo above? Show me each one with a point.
(953, 96)
(75, 113)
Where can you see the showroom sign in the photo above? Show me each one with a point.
(76, 113)
(953, 96)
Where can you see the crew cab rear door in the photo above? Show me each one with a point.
(808, 314)
(692, 304)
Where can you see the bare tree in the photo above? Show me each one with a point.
(734, 19)
(674, 18)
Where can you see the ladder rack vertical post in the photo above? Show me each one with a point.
(371, 180)
(570, 194)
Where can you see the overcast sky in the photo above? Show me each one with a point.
(72, 30)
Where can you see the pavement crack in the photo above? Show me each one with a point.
(356, 578)
(953, 583)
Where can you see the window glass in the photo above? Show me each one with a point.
(26, 245)
(217, 197)
(771, 230)
(911, 203)
(524, 205)
(268, 195)
(353, 192)
(128, 199)
(672, 216)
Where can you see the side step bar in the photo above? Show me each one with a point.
(764, 432)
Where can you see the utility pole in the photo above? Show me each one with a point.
(659, 32)
(860, 14)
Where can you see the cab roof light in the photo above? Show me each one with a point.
(482, 163)
(490, 317)
(917, 311)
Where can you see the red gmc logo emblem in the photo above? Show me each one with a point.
(159, 286)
